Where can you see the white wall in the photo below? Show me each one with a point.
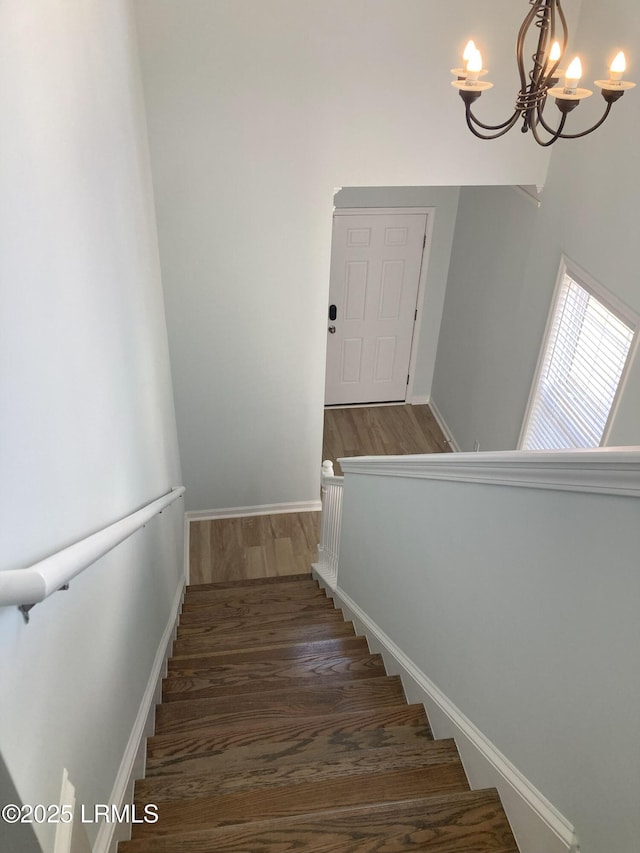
(495, 313)
(257, 111)
(87, 426)
(520, 605)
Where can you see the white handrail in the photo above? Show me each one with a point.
(600, 470)
(33, 584)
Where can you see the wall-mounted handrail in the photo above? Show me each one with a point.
(31, 585)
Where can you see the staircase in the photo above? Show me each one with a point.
(279, 731)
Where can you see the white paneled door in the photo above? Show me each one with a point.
(376, 260)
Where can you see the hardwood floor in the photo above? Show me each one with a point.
(380, 430)
(257, 546)
(264, 546)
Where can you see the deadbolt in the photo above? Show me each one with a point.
(332, 330)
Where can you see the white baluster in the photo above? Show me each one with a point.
(330, 528)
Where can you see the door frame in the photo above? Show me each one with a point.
(430, 213)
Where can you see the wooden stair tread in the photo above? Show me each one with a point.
(261, 638)
(253, 607)
(360, 695)
(440, 755)
(280, 731)
(272, 652)
(198, 623)
(253, 754)
(268, 675)
(465, 822)
(266, 581)
(285, 801)
(308, 590)
(284, 584)
(291, 740)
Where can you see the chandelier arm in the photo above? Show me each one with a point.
(549, 129)
(556, 134)
(472, 121)
(540, 115)
(591, 129)
(550, 71)
(565, 28)
(509, 122)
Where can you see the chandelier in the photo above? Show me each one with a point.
(541, 81)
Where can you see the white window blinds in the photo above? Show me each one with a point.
(586, 351)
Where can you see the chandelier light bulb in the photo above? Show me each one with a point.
(554, 56)
(556, 52)
(469, 51)
(474, 67)
(574, 73)
(617, 67)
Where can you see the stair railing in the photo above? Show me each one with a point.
(29, 586)
(329, 547)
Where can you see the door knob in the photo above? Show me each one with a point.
(332, 330)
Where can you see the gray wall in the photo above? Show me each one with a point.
(477, 386)
(533, 637)
(14, 837)
(444, 201)
(257, 111)
(506, 256)
(87, 425)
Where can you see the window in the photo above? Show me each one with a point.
(587, 347)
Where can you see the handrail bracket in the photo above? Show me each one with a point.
(25, 608)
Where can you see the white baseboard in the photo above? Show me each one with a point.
(261, 509)
(132, 764)
(186, 551)
(325, 578)
(333, 406)
(536, 823)
(437, 414)
(64, 831)
(419, 400)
